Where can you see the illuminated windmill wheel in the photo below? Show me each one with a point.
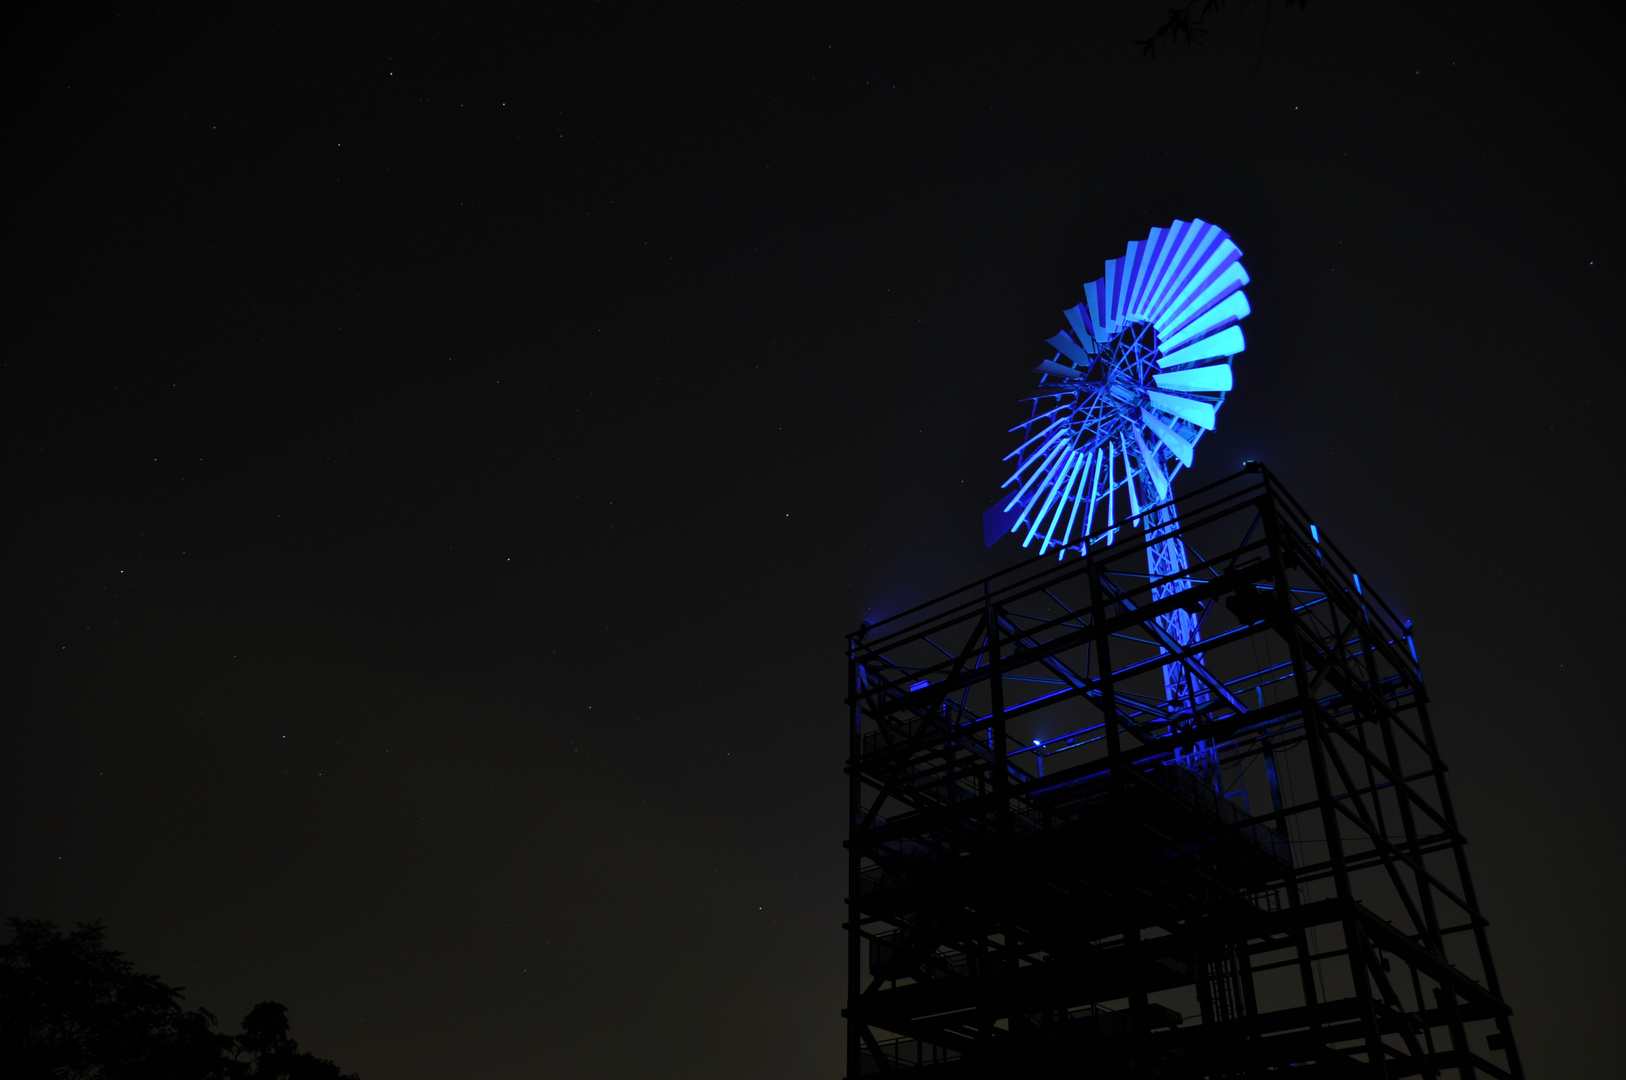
(1129, 391)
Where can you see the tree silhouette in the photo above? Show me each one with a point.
(273, 1055)
(73, 1009)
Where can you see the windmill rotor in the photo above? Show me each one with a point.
(1137, 378)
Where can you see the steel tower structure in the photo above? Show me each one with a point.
(1173, 808)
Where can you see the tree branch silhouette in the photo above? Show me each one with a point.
(1186, 25)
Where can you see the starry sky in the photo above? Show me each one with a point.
(444, 456)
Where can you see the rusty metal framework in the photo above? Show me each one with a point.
(1055, 863)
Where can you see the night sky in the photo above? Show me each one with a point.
(443, 458)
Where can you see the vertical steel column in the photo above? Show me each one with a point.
(1318, 740)
(1503, 1027)
(855, 749)
(1447, 995)
(996, 688)
(1301, 942)
(1408, 822)
(1001, 780)
(1314, 737)
(1117, 794)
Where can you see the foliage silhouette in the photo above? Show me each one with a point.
(1185, 25)
(73, 1009)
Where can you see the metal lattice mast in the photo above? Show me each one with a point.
(1167, 565)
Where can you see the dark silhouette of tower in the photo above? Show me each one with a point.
(1057, 869)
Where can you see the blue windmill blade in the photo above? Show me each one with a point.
(1054, 448)
(1233, 308)
(1162, 243)
(1110, 271)
(1072, 491)
(1187, 298)
(1033, 509)
(1112, 493)
(1154, 472)
(1086, 479)
(1098, 309)
(1040, 462)
(1129, 276)
(1035, 418)
(1049, 428)
(1078, 316)
(1187, 246)
(1144, 260)
(1157, 273)
(1131, 471)
(1109, 290)
(1064, 344)
(1180, 447)
(1062, 480)
(1028, 461)
(1050, 367)
(1043, 494)
(1125, 269)
(1088, 528)
(1216, 378)
(1223, 288)
(1128, 267)
(1227, 342)
(1209, 253)
(1192, 410)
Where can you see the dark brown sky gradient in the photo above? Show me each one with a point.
(443, 458)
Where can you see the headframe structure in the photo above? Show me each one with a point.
(1039, 881)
